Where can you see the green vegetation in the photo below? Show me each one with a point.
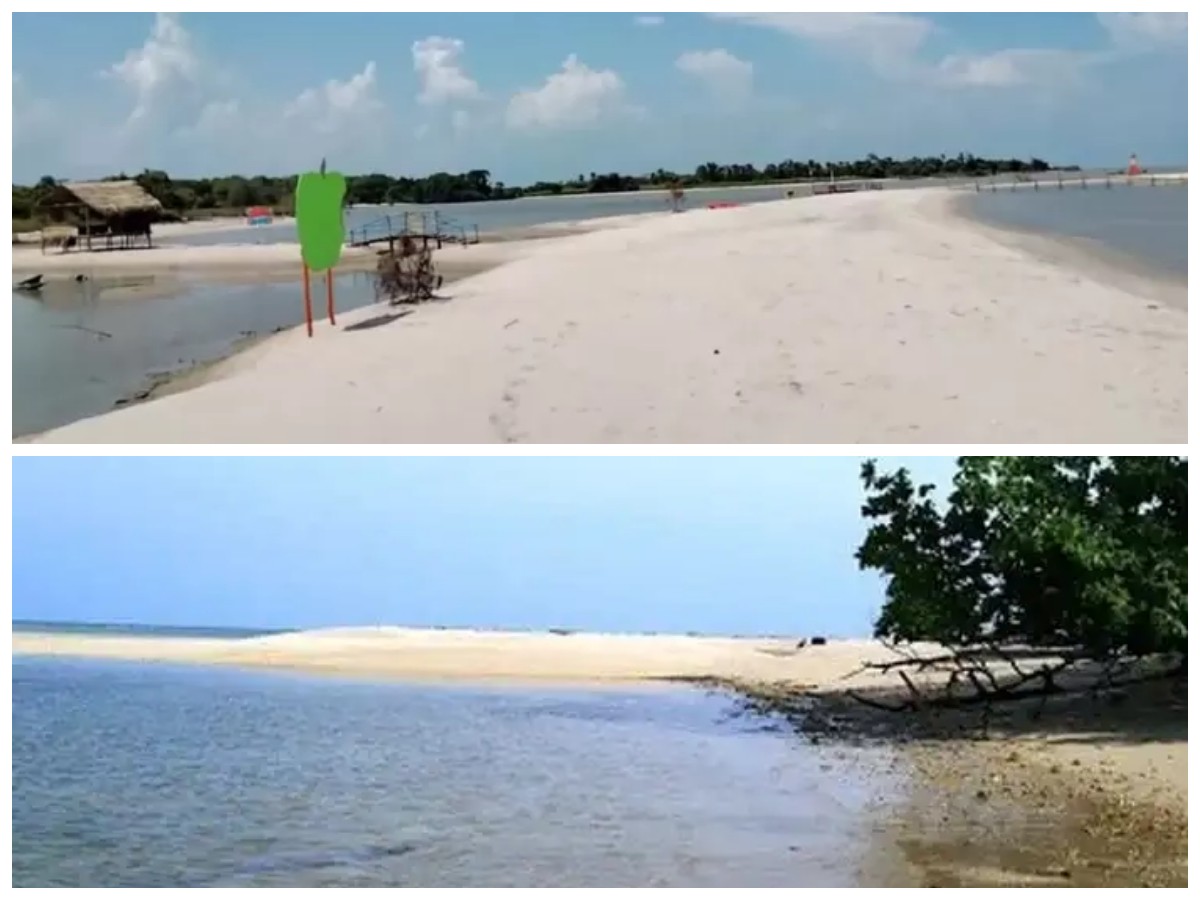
(200, 197)
(1081, 552)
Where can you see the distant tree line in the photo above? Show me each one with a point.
(192, 196)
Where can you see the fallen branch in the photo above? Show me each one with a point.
(970, 666)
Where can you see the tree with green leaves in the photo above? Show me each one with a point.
(1083, 553)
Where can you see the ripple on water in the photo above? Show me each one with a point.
(135, 775)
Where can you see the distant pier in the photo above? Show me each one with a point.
(1064, 181)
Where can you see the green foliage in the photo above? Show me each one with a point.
(1078, 551)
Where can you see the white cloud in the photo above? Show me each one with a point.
(648, 21)
(218, 117)
(892, 43)
(728, 77)
(337, 104)
(1145, 30)
(887, 41)
(164, 66)
(438, 66)
(1011, 68)
(576, 97)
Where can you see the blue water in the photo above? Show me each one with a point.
(1146, 224)
(128, 775)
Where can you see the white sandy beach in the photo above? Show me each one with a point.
(873, 317)
(248, 262)
(230, 260)
(469, 655)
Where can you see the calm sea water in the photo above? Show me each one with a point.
(81, 347)
(1148, 224)
(138, 775)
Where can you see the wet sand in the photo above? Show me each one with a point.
(1075, 790)
(1092, 793)
(881, 316)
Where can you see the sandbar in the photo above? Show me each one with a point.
(883, 316)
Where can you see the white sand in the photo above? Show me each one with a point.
(483, 655)
(873, 317)
(248, 259)
(226, 259)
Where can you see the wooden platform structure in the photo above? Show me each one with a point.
(820, 188)
(427, 228)
(109, 215)
(1061, 182)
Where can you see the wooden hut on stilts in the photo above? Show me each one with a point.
(108, 215)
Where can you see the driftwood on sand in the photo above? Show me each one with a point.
(991, 673)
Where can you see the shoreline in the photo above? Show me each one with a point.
(245, 265)
(249, 263)
(1065, 799)
(1086, 256)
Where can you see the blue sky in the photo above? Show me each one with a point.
(529, 96)
(722, 545)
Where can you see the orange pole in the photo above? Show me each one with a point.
(329, 295)
(308, 301)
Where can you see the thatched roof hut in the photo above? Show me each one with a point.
(110, 199)
(120, 212)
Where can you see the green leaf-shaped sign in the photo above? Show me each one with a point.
(319, 197)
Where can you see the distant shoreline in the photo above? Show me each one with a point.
(460, 654)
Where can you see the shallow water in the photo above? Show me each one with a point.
(79, 348)
(139, 775)
(1148, 224)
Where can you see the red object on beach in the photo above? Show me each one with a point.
(259, 215)
(1135, 168)
(723, 204)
